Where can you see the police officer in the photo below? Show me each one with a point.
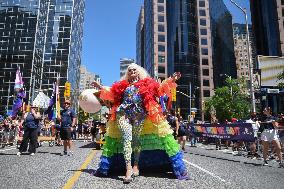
(67, 119)
(31, 124)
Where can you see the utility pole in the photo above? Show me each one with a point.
(252, 97)
(189, 97)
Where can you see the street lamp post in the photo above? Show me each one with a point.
(252, 97)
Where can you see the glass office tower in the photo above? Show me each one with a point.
(183, 50)
(44, 39)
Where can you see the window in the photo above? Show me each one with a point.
(202, 3)
(161, 69)
(204, 41)
(203, 31)
(161, 38)
(160, 1)
(161, 48)
(204, 61)
(161, 59)
(161, 28)
(161, 18)
(206, 93)
(204, 51)
(206, 82)
(202, 13)
(205, 72)
(202, 22)
(160, 8)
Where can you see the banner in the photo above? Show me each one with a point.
(237, 131)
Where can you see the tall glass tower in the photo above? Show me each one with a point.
(44, 39)
(183, 50)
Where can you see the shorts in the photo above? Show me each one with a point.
(269, 135)
(65, 133)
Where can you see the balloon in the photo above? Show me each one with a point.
(89, 102)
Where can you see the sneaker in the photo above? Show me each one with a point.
(64, 152)
(32, 154)
(19, 154)
(265, 163)
(281, 165)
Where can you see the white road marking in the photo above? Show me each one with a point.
(12, 148)
(204, 170)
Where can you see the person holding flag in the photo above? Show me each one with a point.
(31, 123)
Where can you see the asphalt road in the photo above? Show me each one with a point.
(207, 167)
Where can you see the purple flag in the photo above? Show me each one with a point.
(19, 84)
(52, 101)
(18, 102)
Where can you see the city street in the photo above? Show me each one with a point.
(208, 168)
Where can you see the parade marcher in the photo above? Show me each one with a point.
(174, 123)
(31, 124)
(137, 122)
(67, 119)
(181, 135)
(269, 134)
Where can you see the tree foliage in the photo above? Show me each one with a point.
(83, 116)
(280, 78)
(230, 101)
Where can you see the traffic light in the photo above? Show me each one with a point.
(174, 95)
(67, 91)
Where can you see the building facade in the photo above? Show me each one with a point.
(140, 39)
(205, 54)
(155, 38)
(268, 26)
(124, 63)
(86, 78)
(224, 62)
(241, 51)
(44, 39)
(183, 52)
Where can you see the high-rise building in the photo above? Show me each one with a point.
(241, 51)
(140, 39)
(205, 54)
(124, 63)
(183, 51)
(155, 36)
(44, 39)
(224, 62)
(87, 77)
(268, 26)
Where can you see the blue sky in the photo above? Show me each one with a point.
(110, 34)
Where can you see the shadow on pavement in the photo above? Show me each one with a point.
(90, 145)
(222, 158)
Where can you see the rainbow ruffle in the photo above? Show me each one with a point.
(158, 149)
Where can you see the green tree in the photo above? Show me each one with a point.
(82, 116)
(230, 100)
(280, 78)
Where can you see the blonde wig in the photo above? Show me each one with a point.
(142, 73)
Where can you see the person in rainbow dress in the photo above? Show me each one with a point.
(137, 131)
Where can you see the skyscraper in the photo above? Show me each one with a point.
(87, 77)
(124, 63)
(155, 33)
(183, 51)
(241, 51)
(224, 61)
(44, 39)
(140, 39)
(268, 26)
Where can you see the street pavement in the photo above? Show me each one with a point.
(208, 168)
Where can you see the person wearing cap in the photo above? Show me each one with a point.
(67, 119)
(31, 123)
(269, 134)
